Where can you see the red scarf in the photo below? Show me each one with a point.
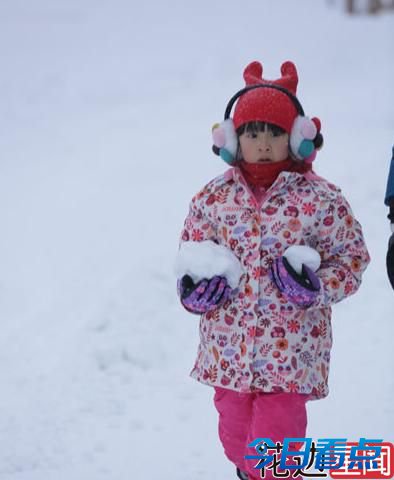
(265, 174)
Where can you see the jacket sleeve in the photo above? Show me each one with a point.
(343, 253)
(197, 227)
(201, 254)
(389, 197)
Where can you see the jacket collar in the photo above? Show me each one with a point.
(244, 195)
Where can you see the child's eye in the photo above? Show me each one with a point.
(276, 133)
(252, 135)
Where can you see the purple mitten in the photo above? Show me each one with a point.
(205, 295)
(299, 288)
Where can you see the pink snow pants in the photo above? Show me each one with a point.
(246, 416)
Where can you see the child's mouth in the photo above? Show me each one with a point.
(263, 160)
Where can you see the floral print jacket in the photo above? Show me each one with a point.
(257, 341)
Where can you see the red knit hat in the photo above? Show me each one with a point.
(267, 105)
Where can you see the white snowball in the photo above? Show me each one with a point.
(299, 254)
(207, 259)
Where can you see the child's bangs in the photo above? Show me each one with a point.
(256, 127)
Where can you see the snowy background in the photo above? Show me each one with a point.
(105, 117)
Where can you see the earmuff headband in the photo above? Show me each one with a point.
(235, 97)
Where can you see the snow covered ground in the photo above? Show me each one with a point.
(105, 117)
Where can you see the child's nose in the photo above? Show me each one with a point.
(264, 144)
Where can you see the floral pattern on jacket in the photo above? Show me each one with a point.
(257, 340)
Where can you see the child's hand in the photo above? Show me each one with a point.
(293, 274)
(205, 295)
(390, 260)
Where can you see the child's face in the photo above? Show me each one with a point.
(264, 146)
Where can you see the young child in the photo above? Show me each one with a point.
(266, 250)
(389, 201)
